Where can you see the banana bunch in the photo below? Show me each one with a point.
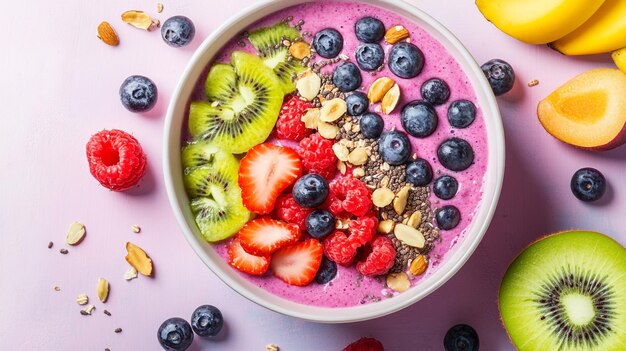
(572, 27)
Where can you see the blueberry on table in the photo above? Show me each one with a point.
(394, 147)
(588, 184)
(371, 125)
(347, 77)
(455, 154)
(369, 56)
(138, 93)
(461, 113)
(406, 60)
(357, 103)
(328, 43)
(419, 118)
(320, 223)
(435, 91)
(500, 75)
(419, 172)
(207, 320)
(178, 31)
(326, 272)
(310, 191)
(369, 29)
(461, 337)
(175, 334)
(445, 187)
(448, 217)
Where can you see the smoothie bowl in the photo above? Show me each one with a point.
(333, 161)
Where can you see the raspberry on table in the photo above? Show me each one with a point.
(380, 260)
(116, 159)
(318, 156)
(289, 124)
(351, 195)
(338, 249)
(362, 230)
(288, 210)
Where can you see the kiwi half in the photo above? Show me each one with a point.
(567, 292)
(245, 99)
(269, 42)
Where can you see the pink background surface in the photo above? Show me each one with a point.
(59, 86)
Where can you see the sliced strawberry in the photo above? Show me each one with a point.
(245, 262)
(262, 236)
(297, 264)
(264, 173)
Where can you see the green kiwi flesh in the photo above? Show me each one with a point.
(243, 106)
(202, 154)
(268, 41)
(567, 292)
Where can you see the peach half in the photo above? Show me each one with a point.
(589, 111)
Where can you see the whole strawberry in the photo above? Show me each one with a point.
(289, 124)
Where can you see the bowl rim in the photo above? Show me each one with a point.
(473, 233)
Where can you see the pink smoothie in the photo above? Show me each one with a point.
(349, 288)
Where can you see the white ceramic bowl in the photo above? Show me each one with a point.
(454, 259)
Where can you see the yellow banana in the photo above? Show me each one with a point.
(538, 21)
(605, 31)
(619, 57)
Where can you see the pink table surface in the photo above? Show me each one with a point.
(59, 85)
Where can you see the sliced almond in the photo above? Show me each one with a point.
(332, 110)
(402, 196)
(327, 130)
(311, 118)
(342, 223)
(138, 19)
(308, 85)
(299, 50)
(398, 281)
(379, 88)
(159, 7)
(341, 167)
(382, 197)
(87, 310)
(385, 181)
(341, 151)
(418, 265)
(358, 156)
(103, 289)
(396, 34)
(82, 299)
(107, 34)
(358, 172)
(138, 259)
(390, 100)
(75, 233)
(130, 274)
(415, 219)
(409, 235)
(386, 226)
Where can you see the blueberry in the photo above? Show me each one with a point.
(326, 272)
(310, 190)
(445, 187)
(406, 60)
(371, 125)
(369, 29)
(588, 184)
(461, 113)
(448, 217)
(435, 91)
(320, 223)
(369, 56)
(138, 94)
(500, 75)
(207, 320)
(394, 147)
(419, 172)
(178, 31)
(175, 334)
(461, 337)
(357, 103)
(419, 118)
(455, 154)
(328, 43)
(347, 77)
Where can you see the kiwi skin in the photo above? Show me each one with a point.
(611, 337)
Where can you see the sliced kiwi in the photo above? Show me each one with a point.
(567, 292)
(202, 154)
(268, 41)
(216, 199)
(236, 122)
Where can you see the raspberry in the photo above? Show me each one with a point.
(337, 248)
(289, 124)
(116, 159)
(318, 156)
(365, 344)
(351, 195)
(380, 260)
(289, 211)
(362, 230)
